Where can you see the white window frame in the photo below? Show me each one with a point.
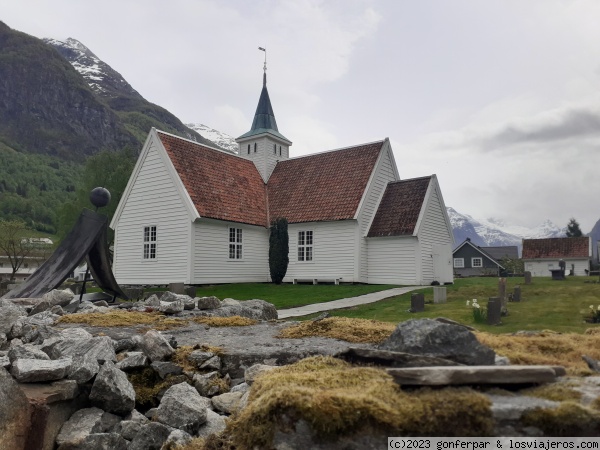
(459, 263)
(477, 258)
(306, 240)
(149, 243)
(235, 249)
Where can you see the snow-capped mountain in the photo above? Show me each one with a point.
(494, 232)
(102, 78)
(221, 139)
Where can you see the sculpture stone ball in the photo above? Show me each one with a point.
(99, 197)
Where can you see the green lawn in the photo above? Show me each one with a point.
(289, 295)
(546, 305)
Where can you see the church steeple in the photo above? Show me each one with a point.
(264, 144)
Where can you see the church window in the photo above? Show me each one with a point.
(305, 245)
(280, 150)
(248, 148)
(235, 243)
(274, 149)
(150, 242)
(255, 147)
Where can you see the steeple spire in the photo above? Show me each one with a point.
(264, 67)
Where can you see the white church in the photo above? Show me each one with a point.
(200, 215)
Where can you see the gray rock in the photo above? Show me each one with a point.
(101, 303)
(112, 391)
(205, 384)
(75, 333)
(128, 429)
(43, 305)
(501, 361)
(156, 347)
(99, 441)
(4, 344)
(261, 310)
(228, 402)
(189, 303)
(511, 408)
(252, 372)
(5, 362)
(15, 413)
(198, 357)
(177, 438)
(72, 306)
(242, 387)
(136, 416)
(128, 344)
(172, 297)
(213, 363)
(151, 436)
(164, 368)
(83, 423)
(183, 408)
(56, 297)
(151, 413)
(26, 351)
(133, 361)
(39, 370)
(57, 309)
(84, 368)
(100, 347)
(208, 302)
(441, 340)
(230, 302)
(9, 314)
(215, 423)
(152, 301)
(171, 307)
(387, 358)
(42, 318)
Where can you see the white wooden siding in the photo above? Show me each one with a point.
(334, 246)
(392, 260)
(383, 173)
(433, 230)
(211, 263)
(540, 268)
(153, 200)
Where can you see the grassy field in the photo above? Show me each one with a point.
(289, 295)
(546, 305)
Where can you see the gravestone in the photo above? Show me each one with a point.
(417, 302)
(517, 294)
(177, 288)
(527, 277)
(494, 311)
(190, 291)
(439, 294)
(502, 291)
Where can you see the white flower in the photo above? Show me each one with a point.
(598, 307)
(475, 305)
(591, 306)
(468, 302)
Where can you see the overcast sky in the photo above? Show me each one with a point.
(499, 98)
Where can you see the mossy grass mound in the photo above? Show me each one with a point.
(124, 318)
(337, 399)
(233, 321)
(558, 392)
(350, 330)
(569, 419)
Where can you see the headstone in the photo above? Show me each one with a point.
(502, 291)
(517, 294)
(177, 288)
(527, 277)
(417, 302)
(191, 291)
(439, 294)
(494, 311)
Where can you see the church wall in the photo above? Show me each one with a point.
(392, 260)
(334, 254)
(211, 263)
(153, 201)
(384, 173)
(264, 159)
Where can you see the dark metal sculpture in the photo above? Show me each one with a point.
(87, 239)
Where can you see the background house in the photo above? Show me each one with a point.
(472, 260)
(542, 255)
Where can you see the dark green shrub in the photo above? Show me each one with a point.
(278, 249)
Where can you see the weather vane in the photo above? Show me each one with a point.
(264, 50)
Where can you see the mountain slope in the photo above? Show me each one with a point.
(221, 139)
(137, 114)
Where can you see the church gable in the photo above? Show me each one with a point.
(323, 187)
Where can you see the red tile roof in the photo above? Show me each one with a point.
(578, 247)
(400, 207)
(322, 187)
(222, 186)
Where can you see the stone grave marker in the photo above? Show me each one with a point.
(177, 288)
(494, 311)
(502, 291)
(527, 277)
(516, 294)
(417, 302)
(439, 294)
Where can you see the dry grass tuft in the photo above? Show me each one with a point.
(147, 385)
(350, 330)
(233, 321)
(569, 419)
(124, 318)
(180, 357)
(546, 348)
(558, 392)
(338, 399)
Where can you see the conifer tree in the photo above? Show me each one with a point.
(278, 249)
(573, 229)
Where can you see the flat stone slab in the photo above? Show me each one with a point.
(388, 358)
(461, 375)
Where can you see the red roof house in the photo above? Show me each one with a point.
(196, 214)
(542, 255)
